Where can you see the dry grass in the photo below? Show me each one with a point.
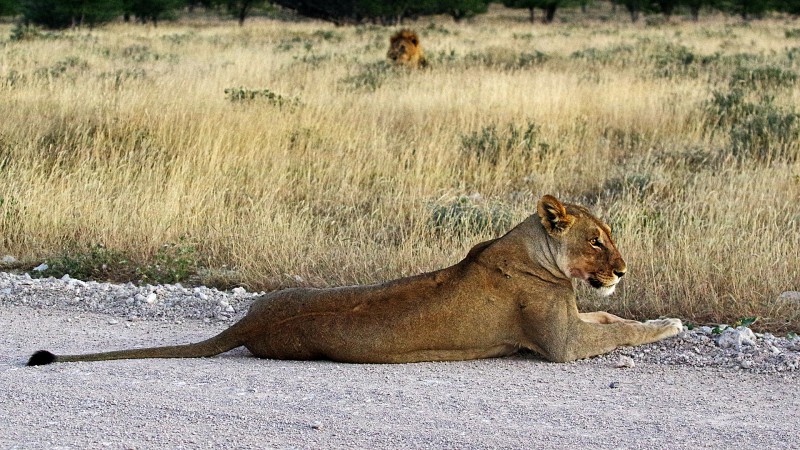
(124, 136)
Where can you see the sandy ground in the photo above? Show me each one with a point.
(236, 401)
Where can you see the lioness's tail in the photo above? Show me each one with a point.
(226, 340)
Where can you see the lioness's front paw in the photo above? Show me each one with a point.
(672, 326)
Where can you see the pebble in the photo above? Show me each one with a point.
(162, 302)
(625, 362)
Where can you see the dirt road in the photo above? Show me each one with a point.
(236, 401)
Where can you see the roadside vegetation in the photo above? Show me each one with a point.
(289, 153)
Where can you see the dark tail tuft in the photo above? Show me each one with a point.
(41, 358)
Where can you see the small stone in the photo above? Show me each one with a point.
(65, 277)
(316, 425)
(736, 338)
(41, 267)
(8, 259)
(113, 321)
(791, 296)
(614, 384)
(151, 298)
(625, 362)
(239, 291)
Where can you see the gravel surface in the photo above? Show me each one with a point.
(697, 389)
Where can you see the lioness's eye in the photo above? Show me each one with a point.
(595, 242)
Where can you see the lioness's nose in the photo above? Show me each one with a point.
(619, 273)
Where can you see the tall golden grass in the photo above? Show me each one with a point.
(341, 169)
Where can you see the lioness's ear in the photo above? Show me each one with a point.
(554, 216)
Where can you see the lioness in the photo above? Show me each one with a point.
(404, 50)
(508, 293)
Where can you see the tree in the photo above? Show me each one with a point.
(549, 6)
(384, 11)
(152, 10)
(462, 9)
(694, 7)
(69, 13)
(9, 7)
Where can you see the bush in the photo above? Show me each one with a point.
(241, 94)
(469, 215)
(490, 145)
(759, 130)
(62, 14)
(371, 76)
(505, 59)
(763, 77)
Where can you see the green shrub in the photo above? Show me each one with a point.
(792, 34)
(469, 215)
(505, 59)
(759, 130)
(370, 77)
(619, 54)
(241, 94)
(671, 60)
(763, 77)
(490, 145)
(70, 65)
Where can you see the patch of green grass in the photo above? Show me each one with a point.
(172, 263)
(96, 262)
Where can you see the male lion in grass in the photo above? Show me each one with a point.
(514, 292)
(404, 50)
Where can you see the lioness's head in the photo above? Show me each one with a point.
(586, 249)
(404, 49)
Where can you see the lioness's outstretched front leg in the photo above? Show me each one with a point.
(587, 339)
(602, 317)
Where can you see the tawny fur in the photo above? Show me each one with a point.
(514, 292)
(405, 50)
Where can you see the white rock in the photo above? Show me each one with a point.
(791, 296)
(8, 259)
(65, 277)
(736, 338)
(239, 291)
(41, 267)
(746, 364)
(625, 362)
(151, 298)
(113, 321)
